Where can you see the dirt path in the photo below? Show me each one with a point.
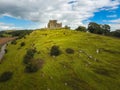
(3, 43)
(2, 52)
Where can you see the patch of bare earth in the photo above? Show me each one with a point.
(6, 39)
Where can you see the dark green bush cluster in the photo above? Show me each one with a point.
(34, 66)
(55, 51)
(2, 33)
(31, 68)
(17, 33)
(115, 33)
(22, 44)
(14, 42)
(6, 76)
(29, 55)
(69, 51)
(20, 33)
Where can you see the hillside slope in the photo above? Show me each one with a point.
(94, 64)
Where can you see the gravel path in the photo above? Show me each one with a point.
(2, 52)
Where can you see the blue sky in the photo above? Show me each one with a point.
(18, 23)
(15, 14)
(104, 17)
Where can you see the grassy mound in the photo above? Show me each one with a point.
(93, 65)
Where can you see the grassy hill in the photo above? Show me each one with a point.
(93, 64)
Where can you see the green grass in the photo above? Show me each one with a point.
(82, 70)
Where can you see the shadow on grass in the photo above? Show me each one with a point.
(105, 72)
(110, 51)
(72, 80)
(78, 84)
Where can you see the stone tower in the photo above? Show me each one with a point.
(53, 24)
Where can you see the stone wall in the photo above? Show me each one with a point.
(53, 24)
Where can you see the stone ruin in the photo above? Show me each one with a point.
(54, 25)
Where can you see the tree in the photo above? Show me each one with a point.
(106, 29)
(67, 27)
(81, 28)
(115, 33)
(98, 28)
(94, 28)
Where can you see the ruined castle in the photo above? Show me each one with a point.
(53, 24)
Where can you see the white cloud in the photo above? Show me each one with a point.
(112, 16)
(117, 21)
(72, 14)
(115, 26)
(4, 26)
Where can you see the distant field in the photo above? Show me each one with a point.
(6, 39)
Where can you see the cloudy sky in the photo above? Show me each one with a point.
(31, 14)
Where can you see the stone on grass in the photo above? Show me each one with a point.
(64, 66)
(90, 57)
(48, 89)
(95, 59)
(51, 77)
(65, 84)
(97, 51)
(89, 63)
(80, 51)
(86, 65)
(54, 56)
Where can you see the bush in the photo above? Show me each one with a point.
(31, 52)
(14, 42)
(29, 55)
(27, 59)
(22, 44)
(31, 68)
(55, 51)
(34, 66)
(69, 51)
(6, 76)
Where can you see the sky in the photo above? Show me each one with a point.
(33, 14)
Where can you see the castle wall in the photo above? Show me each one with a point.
(53, 24)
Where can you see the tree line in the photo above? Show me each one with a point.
(16, 33)
(103, 29)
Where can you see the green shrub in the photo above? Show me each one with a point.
(34, 66)
(27, 59)
(55, 51)
(31, 52)
(69, 51)
(14, 42)
(22, 44)
(31, 68)
(6, 76)
(29, 55)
